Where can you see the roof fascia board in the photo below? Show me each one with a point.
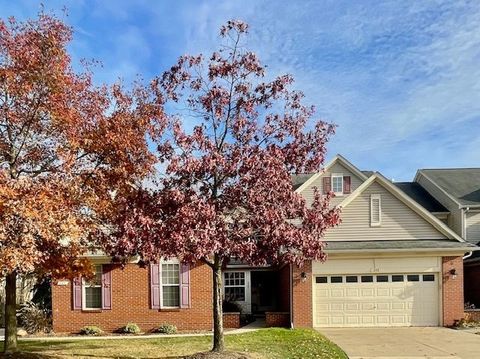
(434, 221)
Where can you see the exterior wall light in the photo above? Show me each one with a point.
(453, 273)
(303, 275)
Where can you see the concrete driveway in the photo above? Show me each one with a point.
(403, 343)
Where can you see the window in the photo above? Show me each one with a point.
(367, 278)
(234, 286)
(92, 291)
(382, 278)
(337, 183)
(336, 279)
(413, 277)
(397, 278)
(352, 279)
(170, 281)
(429, 277)
(375, 210)
(321, 280)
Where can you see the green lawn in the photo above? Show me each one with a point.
(265, 343)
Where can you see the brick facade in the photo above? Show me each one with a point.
(472, 284)
(452, 295)
(231, 320)
(302, 296)
(277, 319)
(131, 303)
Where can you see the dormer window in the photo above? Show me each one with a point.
(337, 184)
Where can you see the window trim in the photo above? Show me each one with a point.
(337, 175)
(374, 197)
(244, 285)
(84, 291)
(170, 261)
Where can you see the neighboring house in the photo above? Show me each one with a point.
(458, 190)
(391, 262)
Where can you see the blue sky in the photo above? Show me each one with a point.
(401, 79)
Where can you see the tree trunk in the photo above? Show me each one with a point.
(218, 341)
(10, 345)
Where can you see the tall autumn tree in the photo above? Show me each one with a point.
(68, 152)
(227, 192)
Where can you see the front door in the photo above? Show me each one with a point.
(236, 288)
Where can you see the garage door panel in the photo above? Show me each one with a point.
(399, 299)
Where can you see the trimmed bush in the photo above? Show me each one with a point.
(131, 328)
(91, 330)
(166, 328)
(34, 319)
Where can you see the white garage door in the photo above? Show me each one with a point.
(370, 300)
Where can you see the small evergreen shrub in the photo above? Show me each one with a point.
(166, 328)
(131, 328)
(91, 330)
(231, 307)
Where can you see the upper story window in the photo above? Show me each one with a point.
(337, 183)
(375, 210)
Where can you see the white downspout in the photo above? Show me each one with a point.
(291, 296)
(468, 255)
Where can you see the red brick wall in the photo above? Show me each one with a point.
(277, 319)
(472, 315)
(231, 320)
(302, 297)
(452, 290)
(131, 303)
(472, 284)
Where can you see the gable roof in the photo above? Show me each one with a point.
(298, 180)
(313, 176)
(421, 196)
(407, 200)
(462, 185)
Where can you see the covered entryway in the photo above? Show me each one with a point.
(377, 292)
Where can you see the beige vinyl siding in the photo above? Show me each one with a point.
(473, 227)
(398, 220)
(318, 183)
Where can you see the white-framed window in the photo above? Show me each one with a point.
(170, 282)
(92, 291)
(375, 210)
(337, 183)
(234, 286)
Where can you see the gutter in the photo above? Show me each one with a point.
(403, 250)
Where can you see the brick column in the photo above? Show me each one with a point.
(302, 297)
(452, 295)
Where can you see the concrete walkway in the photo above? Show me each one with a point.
(256, 325)
(403, 343)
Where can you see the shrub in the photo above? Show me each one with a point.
(34, 319)
(166, 328)
(91, 330)
(131, 328)
(231, 307)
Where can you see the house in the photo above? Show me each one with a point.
(393, 261)
(458, 190)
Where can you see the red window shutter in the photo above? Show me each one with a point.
(106, 287)
(347, 184)
(184, 285)
(327, 185)
(77, 293)
(154, 286)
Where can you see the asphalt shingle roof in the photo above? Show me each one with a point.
(298, 180)
(463, 184)
(421, 196)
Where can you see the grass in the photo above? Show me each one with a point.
(265, 344)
